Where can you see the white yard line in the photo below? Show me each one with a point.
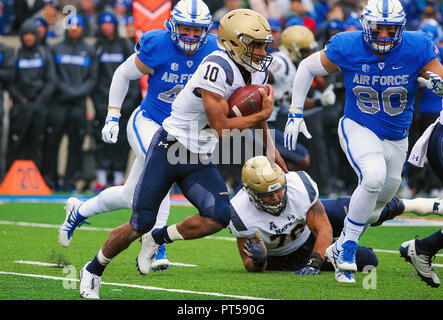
(215, 294)
(43, 225)
(45, 264)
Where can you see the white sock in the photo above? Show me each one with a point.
(102, 259)
(361, 207)
(119, 178)
(173, 233)
(102, 177)
(423, 206)
(108, 200)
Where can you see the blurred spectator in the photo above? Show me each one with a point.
(321, 10)
(88, 12)
(31, 92)
(229, 5)
(123, 9)
(42, 29)
(276, 29)
(24, 9)
(130, 29)
(6, 76)
(335, 26)
(294, 21)
(348, 6)
(76, 70)
(353, 23)
(111, 50)
(53, 18)
(6, 16)
(267, 8)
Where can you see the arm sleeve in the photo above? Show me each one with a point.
(126, 72)
(307, 70)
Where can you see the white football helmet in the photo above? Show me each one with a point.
(382, 12)
(190, 13)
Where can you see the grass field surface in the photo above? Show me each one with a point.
(33, 265)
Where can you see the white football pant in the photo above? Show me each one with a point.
(140, 131)
(378, 165)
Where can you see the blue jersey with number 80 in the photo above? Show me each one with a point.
(380, 92)
(172, 70)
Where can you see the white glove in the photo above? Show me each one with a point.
(328, 96)
(434, 83)
(294, 125)
(110, 130)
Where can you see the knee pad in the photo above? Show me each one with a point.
(365, 257)
(373, 175)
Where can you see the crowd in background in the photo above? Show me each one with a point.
(48, 97)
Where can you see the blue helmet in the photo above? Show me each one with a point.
(190, 13)
(382, 12)
(432, 28)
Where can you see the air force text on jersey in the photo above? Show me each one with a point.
(397, 80)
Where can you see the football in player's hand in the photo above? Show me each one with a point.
(246, 100)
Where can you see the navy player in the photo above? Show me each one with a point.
(293, 233)
(419, 252)
(169, 57)
(180, 149)
(380, 66)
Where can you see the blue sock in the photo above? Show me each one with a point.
(432, 243)
(95, 267)
(161, 236)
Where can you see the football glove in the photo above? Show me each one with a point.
(110, 130)
(328, 97)
(255, 248)
(312, 268)
(434, 83)
(294, 125)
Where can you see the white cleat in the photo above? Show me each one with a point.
(421, 261)
(72, 220)
(332, 254)
(89, 284)
(147, 253)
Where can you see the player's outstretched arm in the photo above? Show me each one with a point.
(133, 68)
(315, 65)
(216, 109)
(317, 221)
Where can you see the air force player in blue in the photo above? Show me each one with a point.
(380, 65)
(169, 57)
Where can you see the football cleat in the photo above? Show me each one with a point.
(346, 257)
(89, 284)
(160, 262)
(73, 220)
(421, 261)
(147, 254)
(332, 254)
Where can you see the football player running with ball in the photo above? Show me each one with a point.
(180, 149)
(380, 65)
(169, 57)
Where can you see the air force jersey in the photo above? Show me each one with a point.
(287, 232)
(188, 122)
(172, 70)
(380, 92)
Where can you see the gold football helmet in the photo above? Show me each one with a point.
(298, 42)
(238, 30)
(260, 179)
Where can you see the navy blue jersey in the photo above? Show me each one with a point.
(380, 92)
(172, 70)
